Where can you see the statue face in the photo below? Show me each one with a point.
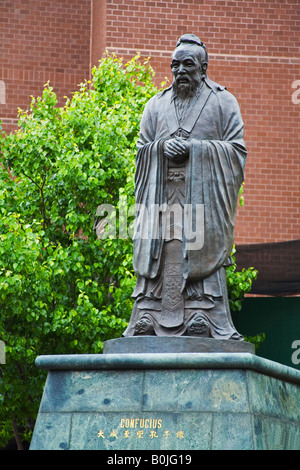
(187, 70)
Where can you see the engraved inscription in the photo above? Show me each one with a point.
(140, 428)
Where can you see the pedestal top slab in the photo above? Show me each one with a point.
(169, 361)
(175, 344)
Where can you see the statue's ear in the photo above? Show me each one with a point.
(204, 66)
(204, 69)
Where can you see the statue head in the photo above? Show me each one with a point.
(189, 65)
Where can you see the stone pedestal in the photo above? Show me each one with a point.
(168, 401)
(174, 344)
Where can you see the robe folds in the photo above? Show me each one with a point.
(214, 172)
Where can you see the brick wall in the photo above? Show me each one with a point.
(39, 41)
(254, 51)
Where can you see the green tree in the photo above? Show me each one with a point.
(62, 288)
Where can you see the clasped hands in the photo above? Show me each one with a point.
(176, 149)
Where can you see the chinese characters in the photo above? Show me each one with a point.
(139, 428)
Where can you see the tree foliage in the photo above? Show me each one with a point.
(62, 289)
(238, 283)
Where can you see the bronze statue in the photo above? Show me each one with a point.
(189, 169)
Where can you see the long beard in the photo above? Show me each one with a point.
(186, 90)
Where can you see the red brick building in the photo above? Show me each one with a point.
(254, 49)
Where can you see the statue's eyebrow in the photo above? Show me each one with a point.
(187, 59)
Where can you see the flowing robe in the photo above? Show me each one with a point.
(214, 172)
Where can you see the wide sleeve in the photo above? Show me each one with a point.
(149, 196)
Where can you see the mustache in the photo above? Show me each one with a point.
(183, 79)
